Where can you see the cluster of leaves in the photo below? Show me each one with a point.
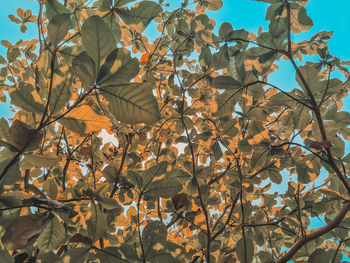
(122, 150)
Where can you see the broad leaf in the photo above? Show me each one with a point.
(132, 103)
(35, 160)
(245, 250)
(97, 222)
(118, 68)
(23, 98)
(52, 236)
(164, 188)
(58, 28)
(24, 231)
(54, 7)
(22, 135)
(84, 67)
(140, 15)
(97, 39)
(84, 120)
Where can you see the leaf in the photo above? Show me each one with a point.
(226, 102)
(113, 23)
(275, 176)
(22, 135)
(140, 15)
(110, 255)
(180, 200)
(319, 255)
(53, 7)
(119, 68)
(24, 231)
(76, 255)
(61, 92)
(97, 39)
(58, 28)
(96, 222)
(164, 188)
(84, 67)
(153, 233)
(23, 98)
(11, 175)
(258, 160)
(52, 236)
(132, 103)
(47, 160)
(278, 26)
(303, 18)
(7, 216)
(245, 250)
(226, 82)
(83, 120)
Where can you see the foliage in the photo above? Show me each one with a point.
(200, 138)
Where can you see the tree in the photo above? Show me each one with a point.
(199, 136)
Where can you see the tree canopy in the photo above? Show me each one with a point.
(123, 149)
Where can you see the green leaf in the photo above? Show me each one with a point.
(47, 160)
(5, 256)
(110, 255)
(60, 95)
(113, 23)
(23, 98)
(258, 160)
(224, 30)
(76, 255)
(7, 216)
(310, 74)
(153, 233)
(216, 149)
(245, 250)
(97, 223)
(278, 26)
(226, 82)
(73, 124)
(319, 255)
(84, 67)
(275, 176)
(52, 236)
(58, 28)
(132, 103)
(274, 10)
(97, 39)
(140, 15)
(164, 188)
(119, 68)
(303, 18)
(226, 102)
(53, 7)
(301, 117)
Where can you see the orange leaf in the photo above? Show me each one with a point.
(144, 58)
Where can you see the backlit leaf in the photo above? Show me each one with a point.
(97, 39)
(52, 236)
(140, 15)
(132, 103)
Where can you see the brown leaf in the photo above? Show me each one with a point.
(24, 136)
(316, 145)
(180, 200)
(326, 144)
(24, 231)
(85, 150)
